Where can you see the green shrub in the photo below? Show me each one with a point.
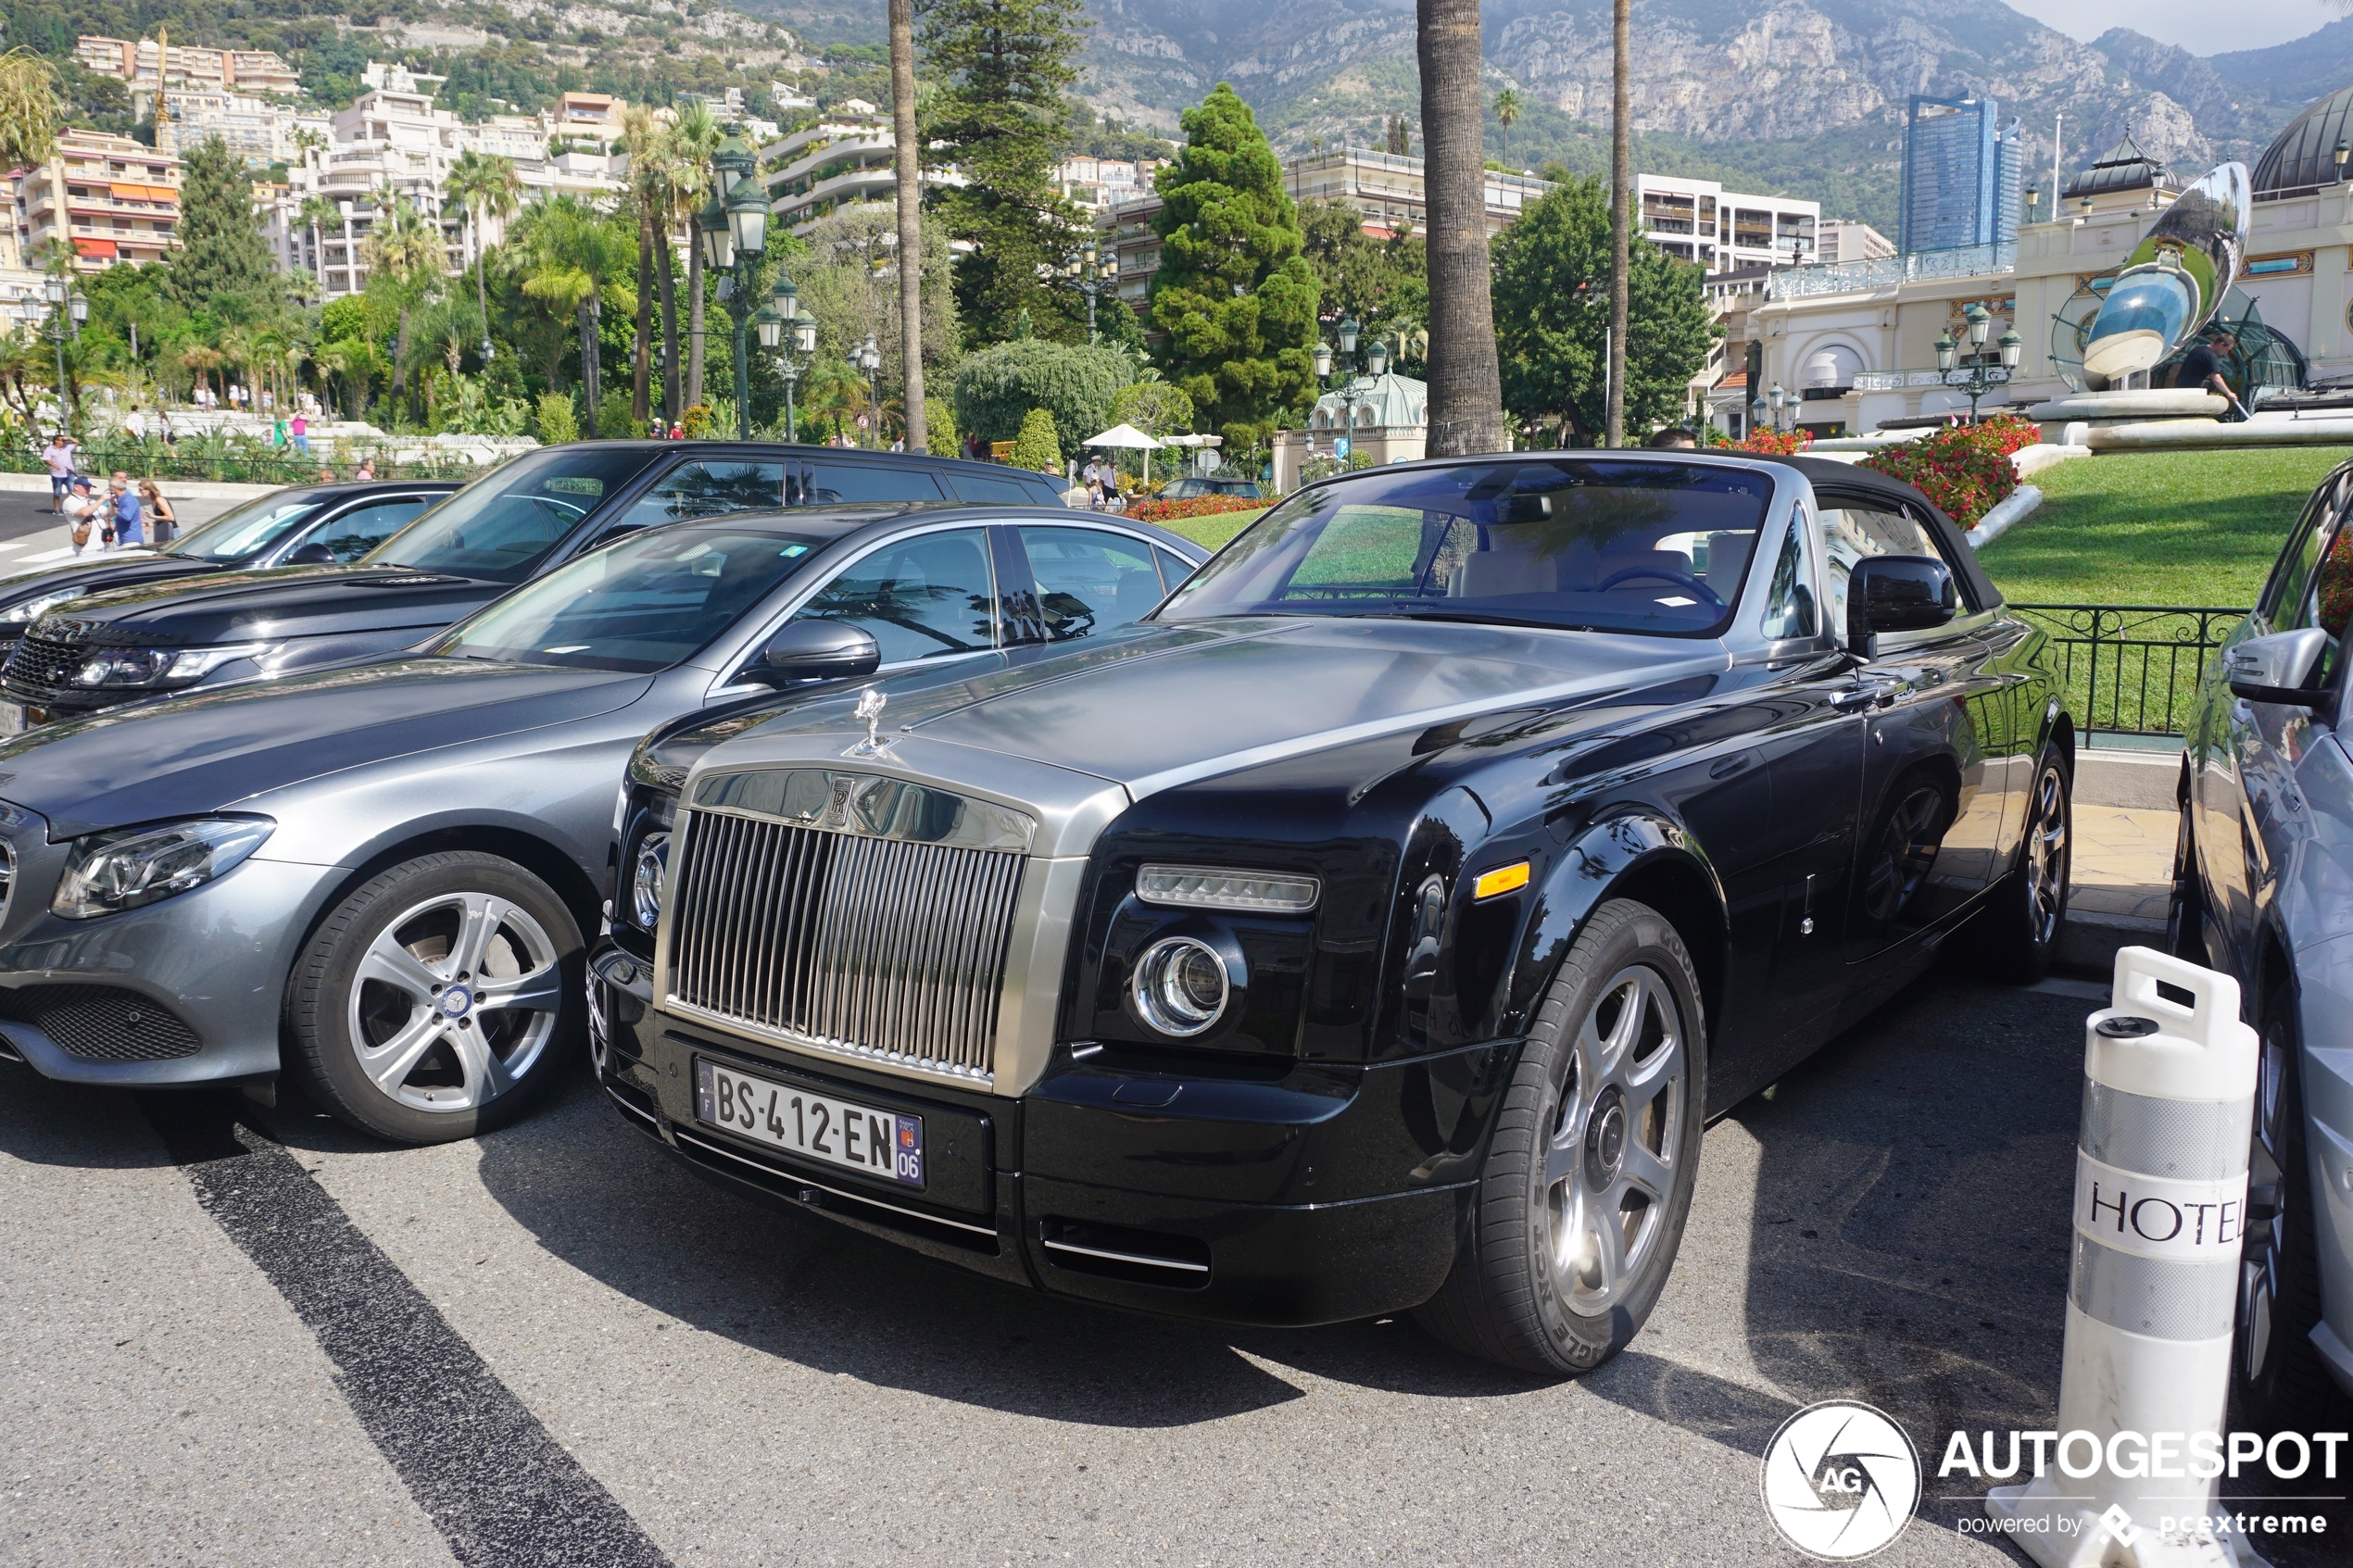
(1156, 407)
(558, 423)
(998, 388)
(1034, 447)
(940, 428)
(613, 422)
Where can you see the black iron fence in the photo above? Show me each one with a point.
(2132, 668)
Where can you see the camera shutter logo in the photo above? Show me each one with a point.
(1841, 1480)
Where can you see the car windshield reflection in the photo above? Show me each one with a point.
(500, 527)
(248, 531)
(1572, 543)
(641, 605)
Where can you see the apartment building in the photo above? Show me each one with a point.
(1388, 189)
(1699, 221)
(111, 198)
(147, 63)
(583, 117)
(842, 158)
(1844, 239)
(258, 130)
(1097, 184)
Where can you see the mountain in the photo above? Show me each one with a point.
(1808, 96)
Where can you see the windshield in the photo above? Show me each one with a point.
(249, 530)
(643, 604)
(500, 526)
(1588, 543)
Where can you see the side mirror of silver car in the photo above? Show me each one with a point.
(816, 650)
(1896, 594)
(2280, 668)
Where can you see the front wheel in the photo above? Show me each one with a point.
(437, 1000)
(2278, 1380)
(2018, 934)
(1579, 1209)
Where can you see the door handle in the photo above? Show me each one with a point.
(1725, 767)
(1860, 697)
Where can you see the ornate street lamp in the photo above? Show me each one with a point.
(1976, 378)
(869, 360)
(718, 242)
(781, 333)
(733, 229)
(1351, 364)
(1093, 274)
(1779, 400)
(2338, 158)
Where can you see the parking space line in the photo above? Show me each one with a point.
(51, 554)
(495, 1481)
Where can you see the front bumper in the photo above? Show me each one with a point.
(182, 992)
(1323, 1194)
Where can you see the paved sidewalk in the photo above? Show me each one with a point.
(2123, 863)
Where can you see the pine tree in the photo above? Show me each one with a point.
(1000, 117)
(223, 251)
(1234, 295)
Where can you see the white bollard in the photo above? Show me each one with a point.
(2160, 1206)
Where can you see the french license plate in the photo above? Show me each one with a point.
(856, 1137)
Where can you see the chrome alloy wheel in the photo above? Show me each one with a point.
(2046, 855)
(1616, 1138)
(2263, 1256)
(454, 1001)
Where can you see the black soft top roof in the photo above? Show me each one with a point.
(1824, 473)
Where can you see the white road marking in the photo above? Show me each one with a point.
(51, 555)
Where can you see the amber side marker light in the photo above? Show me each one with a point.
(1504, 879)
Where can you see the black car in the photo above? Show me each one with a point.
(309, 524)
(525, 517)
(1194, 487)
(1375, 925)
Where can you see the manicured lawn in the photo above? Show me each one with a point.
(2158, 528)
(1213, 530)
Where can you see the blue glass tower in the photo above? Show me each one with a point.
(1961, 175)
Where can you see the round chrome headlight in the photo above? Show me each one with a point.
(644, 879)
(1180, 986)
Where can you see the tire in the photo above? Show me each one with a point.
(1580, 1206)
(379, 1041)
(2278, 1380)
(2017, 932)
(2185, 906)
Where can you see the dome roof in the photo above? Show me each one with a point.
(2305, 154)
(2124, 167)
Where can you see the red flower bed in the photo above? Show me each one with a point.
(1775, 443)
(1965, 470)
(1197, 506)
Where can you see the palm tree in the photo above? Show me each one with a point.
(1621, 187)
(1508, 107)
(488, 187)
(683, 180)
(648, 195)
(29, 111)
(318, 213)
(579, 263)
(693, 138)
(907, 153)
(404, 256)
(1465, 392)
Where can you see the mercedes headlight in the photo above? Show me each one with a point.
(1180, 986)
(132, 867)
(645, 880)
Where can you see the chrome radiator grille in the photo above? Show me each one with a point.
(881, 948)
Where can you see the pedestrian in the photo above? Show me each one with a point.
(1094, 475)
(163, 423)
(326, 476)
(278, 434)
(129, 522)
(677, 431)
(162, 522)
(2201, 367)
(1674, 436)
(136, 424)
(299, 427)
(367, 475)
(57, 456)
(81, 509)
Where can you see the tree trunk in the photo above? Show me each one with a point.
(693, 322)
(1622, 188)
(588, 368)
(669, 403)
(1466, 394)
(909, 156)
(640, 396)
(401, 356)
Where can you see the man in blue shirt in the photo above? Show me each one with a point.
(130, 524)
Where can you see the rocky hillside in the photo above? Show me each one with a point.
(1807, 95)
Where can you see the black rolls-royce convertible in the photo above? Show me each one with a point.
(1374, 926)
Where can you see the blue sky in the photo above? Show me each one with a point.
(2203, 27)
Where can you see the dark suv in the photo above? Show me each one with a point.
(524, 518)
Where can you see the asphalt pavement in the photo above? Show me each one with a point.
(230, 1336)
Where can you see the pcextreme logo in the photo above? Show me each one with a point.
(1841, 1480)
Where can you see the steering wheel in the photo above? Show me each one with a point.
(1666, 574)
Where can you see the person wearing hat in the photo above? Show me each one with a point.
(83, 511)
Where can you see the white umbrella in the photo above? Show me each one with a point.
(1122, 436)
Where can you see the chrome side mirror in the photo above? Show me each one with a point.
(2280, 668)
(1896, 594)
(816, 650)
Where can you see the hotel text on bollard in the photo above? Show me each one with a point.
(2160, 1206)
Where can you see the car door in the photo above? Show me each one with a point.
(1939, 748)
(2237, 766)
(355, 531)
(931, 595)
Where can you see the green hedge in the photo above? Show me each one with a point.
(231, 463)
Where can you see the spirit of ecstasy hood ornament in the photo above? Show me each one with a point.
(870, 707)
